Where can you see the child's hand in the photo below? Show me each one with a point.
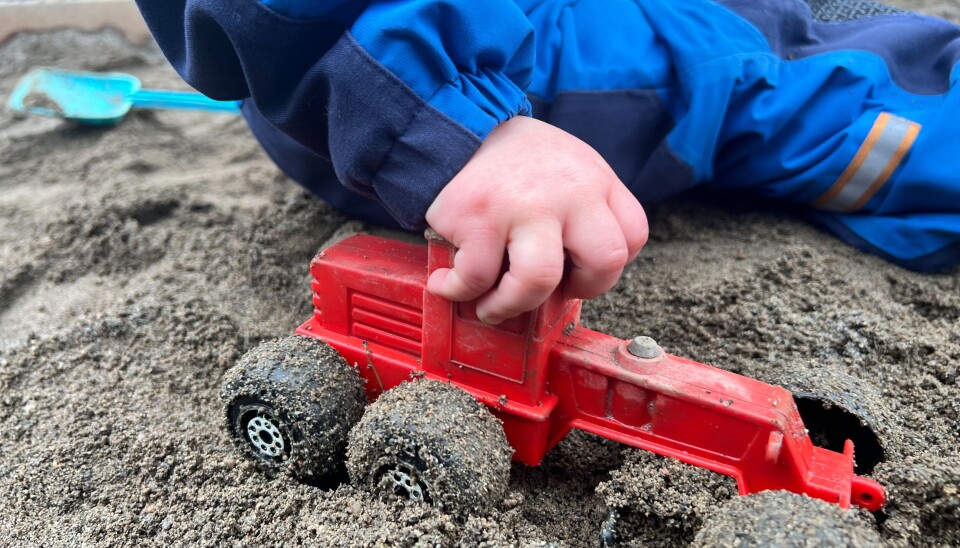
(535, 191)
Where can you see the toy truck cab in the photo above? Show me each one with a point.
(543, 374)
(370, 304)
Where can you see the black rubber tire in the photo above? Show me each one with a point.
(836, 406)
(434, 439)
(780, 518)
(290, 404)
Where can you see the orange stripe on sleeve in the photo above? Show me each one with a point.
(875, 132)
(905, 144)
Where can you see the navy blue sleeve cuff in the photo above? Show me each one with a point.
(393, 140)
(385, 141)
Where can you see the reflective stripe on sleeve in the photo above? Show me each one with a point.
(878, 157)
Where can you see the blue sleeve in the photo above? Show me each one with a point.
(398, 94)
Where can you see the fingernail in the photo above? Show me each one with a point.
(491, 320)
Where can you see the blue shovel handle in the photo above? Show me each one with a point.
(185, 100)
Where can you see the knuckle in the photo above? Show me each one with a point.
(637, 239)
(473, 282)
(478, 205)
(541, 278)
(610, 257)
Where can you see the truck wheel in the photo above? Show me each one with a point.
(430, 442)
(835, 407)
(781, 518)
(290, 404)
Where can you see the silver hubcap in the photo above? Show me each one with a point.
(405, 482)
(264, 435)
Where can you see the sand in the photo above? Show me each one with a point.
(141, 261)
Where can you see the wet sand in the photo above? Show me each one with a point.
(141, 261)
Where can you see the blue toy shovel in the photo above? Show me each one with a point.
(100, 98)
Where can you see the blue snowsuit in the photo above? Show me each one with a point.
(846, 106)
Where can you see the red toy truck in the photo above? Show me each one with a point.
(541, 375)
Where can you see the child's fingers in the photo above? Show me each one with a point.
(476, 266)
(632, 218)
(598, 253)
(535, 250)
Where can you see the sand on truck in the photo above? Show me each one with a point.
(140, 262)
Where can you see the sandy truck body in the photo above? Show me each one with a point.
(542, 374)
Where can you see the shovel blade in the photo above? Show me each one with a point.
(87, 97)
